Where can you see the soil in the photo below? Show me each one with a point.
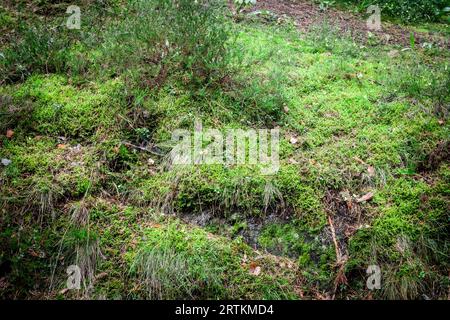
(308, 14)
(440, 154)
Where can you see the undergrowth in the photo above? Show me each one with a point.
(86, 123)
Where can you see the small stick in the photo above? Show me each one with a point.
(140, 148)
(360, 161)
(333, 235)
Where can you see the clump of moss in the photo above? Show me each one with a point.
(408, 240)
(177, 261)
(61, 109)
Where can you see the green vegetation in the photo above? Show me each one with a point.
(86, 118)
(178, 262)
(407, 10)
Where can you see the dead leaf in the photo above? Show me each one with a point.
(359, 160)
(101, 275)
(156, 225)
(9, 133)
(371, 171)
(255, 269)
(64, 291)
(61, 146)
(365, 197)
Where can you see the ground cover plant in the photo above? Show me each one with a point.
(87, 178)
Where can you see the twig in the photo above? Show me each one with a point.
(360, 161)
(340, 260)
(333, 235)
(141, 148)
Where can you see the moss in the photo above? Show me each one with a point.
(284, 239)
(62, 109)
(7, 20)
(314, 258)
(77, 105)
(44, 171)
(211, 267)
(397, 238)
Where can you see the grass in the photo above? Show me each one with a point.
(180, 262)
(89, 181)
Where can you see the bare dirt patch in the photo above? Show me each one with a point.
(307, 14)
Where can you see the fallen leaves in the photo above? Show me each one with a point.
(360, 160)
(370, 169)
(9, 133)
(35, 254)
(64, 291)
(368, 196)
(255, 269)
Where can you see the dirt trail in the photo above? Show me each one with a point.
(307, 14)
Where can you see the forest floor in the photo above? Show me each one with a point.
(308, 14)
(86, 120)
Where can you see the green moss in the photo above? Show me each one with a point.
(44, 171)
(7, 21)
(76, 105)
(284, 239)
(405, 236)
(207, 266)
(62, 109)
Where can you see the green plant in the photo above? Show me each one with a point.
(243, 4)
(191, 35)
(325, 4)
(407, 10)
